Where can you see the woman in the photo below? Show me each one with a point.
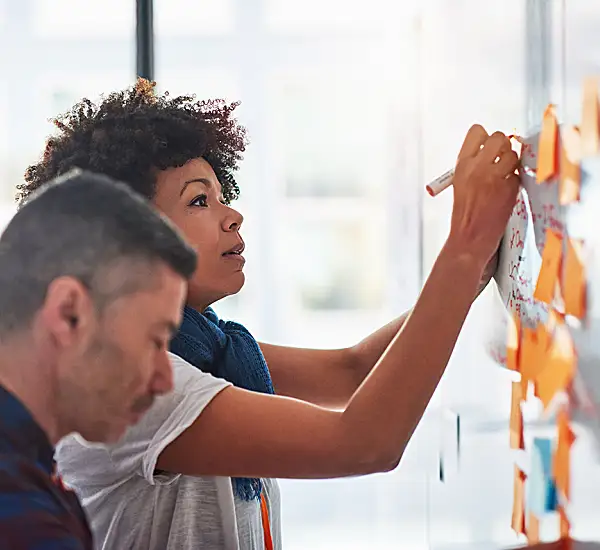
(167, 484)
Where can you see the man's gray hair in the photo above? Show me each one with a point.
(85, 226)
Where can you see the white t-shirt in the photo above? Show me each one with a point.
(132, 508)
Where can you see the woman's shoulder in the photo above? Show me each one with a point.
(187, 377)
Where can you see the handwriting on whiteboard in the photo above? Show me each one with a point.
(548, 217)
(520, 210)
(535, 210)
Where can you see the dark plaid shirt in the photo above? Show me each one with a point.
(36, 511)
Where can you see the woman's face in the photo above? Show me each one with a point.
(191, 197)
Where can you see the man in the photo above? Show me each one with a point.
(92, 284)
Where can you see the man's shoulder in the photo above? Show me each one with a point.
(26, 488)
(35, 512)
(19, 474)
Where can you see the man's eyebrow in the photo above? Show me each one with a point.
(204, 181)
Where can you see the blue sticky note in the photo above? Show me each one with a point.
(541, 490)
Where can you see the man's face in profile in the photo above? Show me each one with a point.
(115, 362)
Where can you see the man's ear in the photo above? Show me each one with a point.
(67, 311)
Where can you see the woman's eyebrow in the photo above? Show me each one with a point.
(205, 181)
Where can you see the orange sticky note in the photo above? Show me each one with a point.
(544, 338)
(559, 366)
(547, 162)
(565, 524)
(518, 512)
(516, 417)
(551, 262)
(570, 165)
(574, 279)
(590, 118)
(534, 348)
(533, 528)
(561, 464)
(513, 343)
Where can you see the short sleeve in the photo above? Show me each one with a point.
(138, 451)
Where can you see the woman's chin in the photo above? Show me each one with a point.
(232, 285)
(237, 283)
(200, 296)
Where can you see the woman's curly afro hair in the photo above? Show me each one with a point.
(132, 134)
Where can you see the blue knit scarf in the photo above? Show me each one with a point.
(226, 350)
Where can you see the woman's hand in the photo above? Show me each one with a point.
(485, 191)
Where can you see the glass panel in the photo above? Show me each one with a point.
(59, 69)
(336, 15)
(205, 84)
(192, 17)
(342, 266)
(479, 75)
(463, 84)
(581, 23)
(58, 92)
(77, 19)
(326, 151)
(376, 512)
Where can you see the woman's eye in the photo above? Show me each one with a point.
(200, 200)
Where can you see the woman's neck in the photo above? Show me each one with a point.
(199, 304)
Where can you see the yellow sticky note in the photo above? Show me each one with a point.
(570, 165)
(574, 279)
(590, 118)
(547, 162)
(518, 512)
(549, 271)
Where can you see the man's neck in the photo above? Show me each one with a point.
(23, 376)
